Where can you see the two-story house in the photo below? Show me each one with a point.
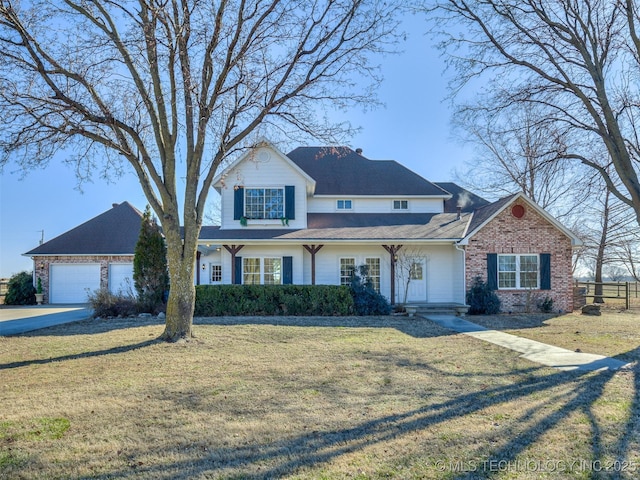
(313, 215)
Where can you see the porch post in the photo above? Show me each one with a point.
(313, 249)
(393, 251)
(233, 249)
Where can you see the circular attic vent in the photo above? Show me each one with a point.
(517, 211)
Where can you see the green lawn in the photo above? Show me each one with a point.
(313, 398)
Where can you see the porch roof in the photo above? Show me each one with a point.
(330, 226)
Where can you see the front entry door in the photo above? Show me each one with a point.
(417, 291)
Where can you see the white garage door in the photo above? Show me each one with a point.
(70, 283)
(121, 278)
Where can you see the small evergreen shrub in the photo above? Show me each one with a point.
(300, 300)
(366, 300)
(106, 304)
(20, 290)
(150, 275)
(481, 299)
(546, 305)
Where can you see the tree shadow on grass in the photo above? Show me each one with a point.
(314, 449)
(76, 356)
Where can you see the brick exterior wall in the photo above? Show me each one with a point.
(42, 267)
(531, 234)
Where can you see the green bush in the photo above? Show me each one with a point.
(106, 304)
(481, 299)
(20, 290)
(301, 300)
(366, 300)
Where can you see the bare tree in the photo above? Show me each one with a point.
(408, 265)
(574, 58)
(518, 149)
(173, 87)
(629, 256)
(603, 239)
(616, 273)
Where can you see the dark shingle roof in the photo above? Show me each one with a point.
(339, 226)
(114, 232)
(483, 214)
(340, 220)
(341, 171)
(461, 197)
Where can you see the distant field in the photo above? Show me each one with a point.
(615, 295)
(310, 398)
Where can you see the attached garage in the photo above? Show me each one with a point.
(97, 254)
(72, 282)
(121, 278)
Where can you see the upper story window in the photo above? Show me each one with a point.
(400, 204)
(518, 271)
(264, 203)
(343, 204)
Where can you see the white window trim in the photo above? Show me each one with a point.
(379, 275)
(355, 265)
(275, 187)
(261, 271)
(344, 200)
(393, 205)
(211, 265)
(518, 271)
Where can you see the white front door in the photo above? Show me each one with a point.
(417, 291)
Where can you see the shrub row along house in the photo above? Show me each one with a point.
(313, 215)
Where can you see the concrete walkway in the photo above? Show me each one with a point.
(16, 320)
(538, 352)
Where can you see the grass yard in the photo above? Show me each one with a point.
(316, 398)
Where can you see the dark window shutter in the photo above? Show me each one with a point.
(290, 202)
(545, 271)
(238, 203)
(492, 270)
(238, 268)
(287, 270)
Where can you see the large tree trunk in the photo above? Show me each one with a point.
(181, 256)
(181, 303)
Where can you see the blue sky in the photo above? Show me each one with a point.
(413, 128)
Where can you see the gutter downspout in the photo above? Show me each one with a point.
(464, 271)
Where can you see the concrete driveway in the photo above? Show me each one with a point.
(15, 320)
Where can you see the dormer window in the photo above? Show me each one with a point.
(343, 204)
(400, 204)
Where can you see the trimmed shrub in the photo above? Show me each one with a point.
(20, 290)
(481, 299)
(106, 304)
(366, 300)
(300, 300)
(546, 305)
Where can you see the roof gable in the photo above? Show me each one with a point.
(114, 232)
(485, 214)
(341, 171)
(254, 154)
